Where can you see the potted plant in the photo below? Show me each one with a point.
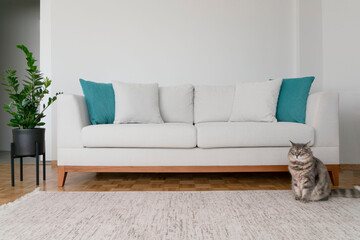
(25, 107)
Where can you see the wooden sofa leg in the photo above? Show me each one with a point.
(334, 175)
(61, 176)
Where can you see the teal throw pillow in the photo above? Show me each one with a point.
(292, 100)
(100, 100)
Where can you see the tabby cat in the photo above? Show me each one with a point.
(310, 178)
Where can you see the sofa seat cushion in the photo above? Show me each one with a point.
(252, 134)
(167, 135)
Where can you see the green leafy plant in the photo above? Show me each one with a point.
(26, 96)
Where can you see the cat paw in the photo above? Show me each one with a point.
(303, 200)
(297, 197)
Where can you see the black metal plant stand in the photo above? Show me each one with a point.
(37, 154)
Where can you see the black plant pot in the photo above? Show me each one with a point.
(24, 141)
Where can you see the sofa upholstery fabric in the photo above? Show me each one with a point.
(186, 156)
(252, 134)
(213, 103)
(177, 103)
(322, 113)
(167, 135)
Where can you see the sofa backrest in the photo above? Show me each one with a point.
(213, 103)
(177, 103)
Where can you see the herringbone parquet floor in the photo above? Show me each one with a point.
(349, 176)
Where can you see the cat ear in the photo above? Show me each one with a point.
(292, 144)
(307, 144)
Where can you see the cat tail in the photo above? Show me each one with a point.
(348, 193)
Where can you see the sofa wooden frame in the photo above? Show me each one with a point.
(63, 170)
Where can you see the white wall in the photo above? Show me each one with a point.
(19, 24)
(310, 41)
(45, 66)
(171, 42)
(341, 56)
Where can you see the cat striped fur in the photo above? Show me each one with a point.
(348, 193)
(310, 177)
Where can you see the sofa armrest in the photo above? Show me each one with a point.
(72, 116)
(322, 113)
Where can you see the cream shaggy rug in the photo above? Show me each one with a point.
(177, 215)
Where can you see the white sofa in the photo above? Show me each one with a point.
(196, 137)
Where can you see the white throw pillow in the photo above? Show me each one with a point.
(256, 102)
(136, 103)
(177, 103)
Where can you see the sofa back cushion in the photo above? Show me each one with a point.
(213, 103)
(177, 103)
